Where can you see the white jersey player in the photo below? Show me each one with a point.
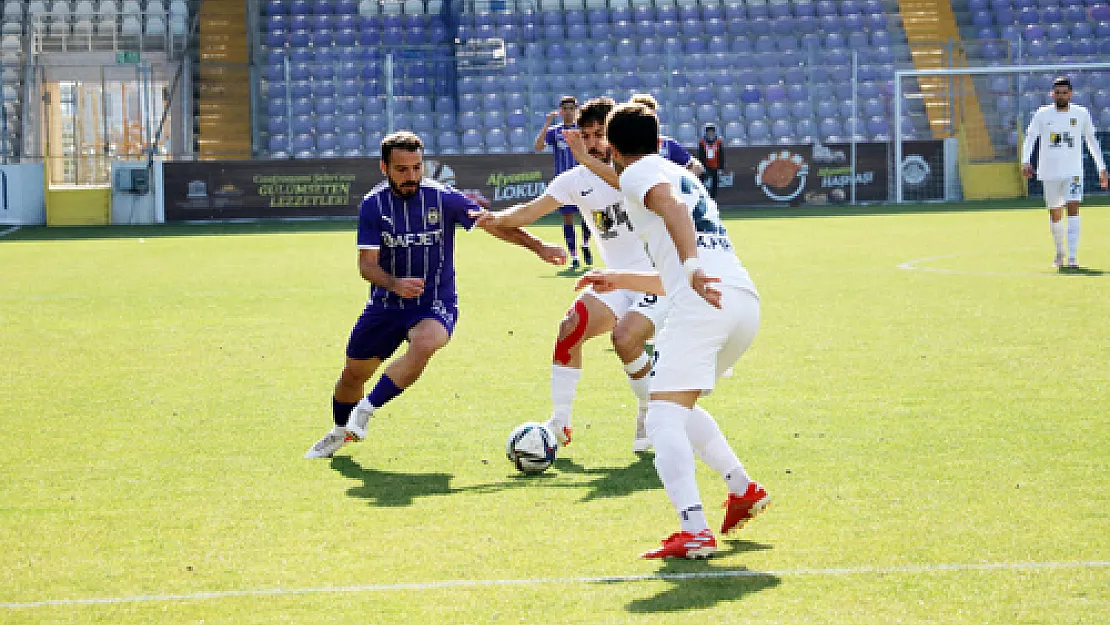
(713, 318)
(1061, 129)
(630, 316)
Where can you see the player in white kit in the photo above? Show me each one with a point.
(631, 317)
(1062, 128)
(713, 318)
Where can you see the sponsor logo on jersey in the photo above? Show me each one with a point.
(1074, 121)
(413, 239)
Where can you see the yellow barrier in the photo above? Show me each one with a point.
(79, 206)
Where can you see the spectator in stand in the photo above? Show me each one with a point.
(711, 153)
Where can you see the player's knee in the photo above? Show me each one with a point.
(427, 344)
(568, 325)
(626, 340)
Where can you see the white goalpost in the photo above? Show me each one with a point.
(901, 78)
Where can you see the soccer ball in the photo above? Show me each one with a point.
(531, 447)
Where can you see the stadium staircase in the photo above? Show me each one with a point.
(223, 82)
(934, 40)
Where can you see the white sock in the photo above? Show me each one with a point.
(710, 445)
(1073, 237)
(1059, 232)
(564, 385)
(642, 389)
(339, 429)
(674, 461)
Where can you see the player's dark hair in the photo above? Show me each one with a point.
(646, 99)
(400, 140)
(1062, 81)
(633, 129)
(568, 99)
(595, 111)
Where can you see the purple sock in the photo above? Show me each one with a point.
(384, 391)
(585, 234)
(340, 410)
(568, 234)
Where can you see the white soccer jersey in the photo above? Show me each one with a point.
(605, 216)
(714, 247)
(1061, 135)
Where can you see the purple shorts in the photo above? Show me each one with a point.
(568, 209)
(380, 331)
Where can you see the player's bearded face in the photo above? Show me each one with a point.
(597, 144)
(1062, 96)
(404, 171)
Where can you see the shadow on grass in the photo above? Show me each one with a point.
(1080, 271)
(389, 489)
(614, 481)
(394, 489)
(699, 584)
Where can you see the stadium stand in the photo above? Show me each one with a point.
(757, 67)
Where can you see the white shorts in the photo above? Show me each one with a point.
(699, 342)
(622, 301)
(1058, 193)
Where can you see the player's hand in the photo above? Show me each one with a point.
(573, 137)
(553, 254)
(408, 288)
(703, 286)
(484, 218)
(602, 280)
(1027, 171)
(1103, 179)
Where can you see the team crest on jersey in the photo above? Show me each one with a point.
(1074, 122)
(433, 216)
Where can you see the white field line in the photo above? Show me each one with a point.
(915, 265)
(477, 583)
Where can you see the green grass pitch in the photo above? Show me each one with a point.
(927, 401)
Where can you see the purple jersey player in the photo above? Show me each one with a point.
(406, 236)
(552, 135)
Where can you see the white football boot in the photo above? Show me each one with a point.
(327, 446)
(359, 419)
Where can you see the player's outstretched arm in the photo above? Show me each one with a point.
(1095, 150)
(1031, 133)
(518, 215)
(541, 139)
(605, 280)
(577, 146)
(371, 271)
(553, 254)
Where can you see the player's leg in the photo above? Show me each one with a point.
(427, 336)
(1054, 199)
(687, 347)
(587, 256)
(568, 213)
(630, 337)
(1074, 197)
(373, 339)
(589, 316)
(746, 498)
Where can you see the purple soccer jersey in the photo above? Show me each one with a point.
(673, 151)
(416, 239)
(564, 160)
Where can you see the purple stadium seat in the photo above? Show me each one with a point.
(1100, 13)
(750, 95)
(981, 19)
(279, 143)
(1057, 31)
(350, 105)
(754, 110)
(759, 133)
